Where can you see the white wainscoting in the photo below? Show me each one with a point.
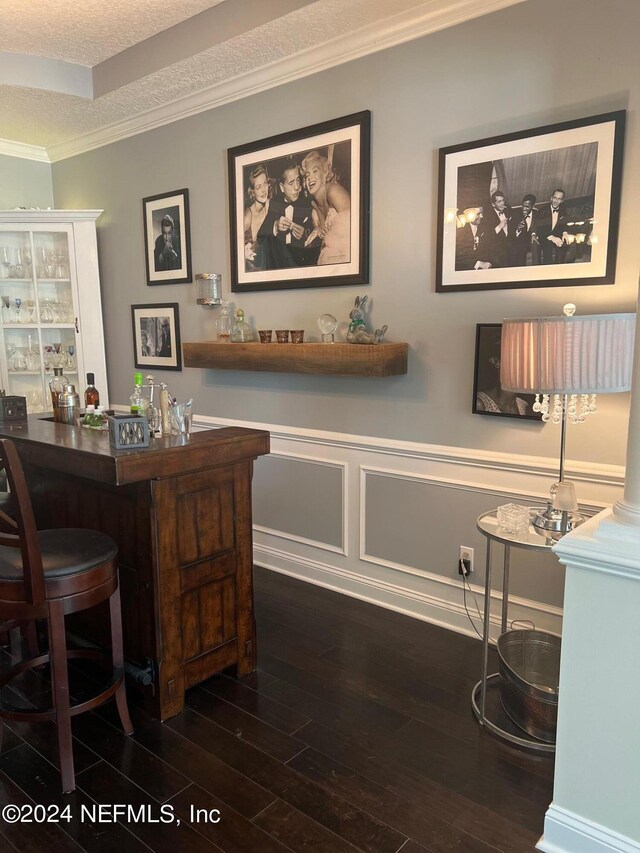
(427, 594)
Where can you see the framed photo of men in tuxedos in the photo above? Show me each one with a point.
(537, 208)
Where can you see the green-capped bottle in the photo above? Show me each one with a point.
(138, 400)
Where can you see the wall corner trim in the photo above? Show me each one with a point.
(567, 832)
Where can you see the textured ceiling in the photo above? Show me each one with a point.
(88, 31)
(91, 31)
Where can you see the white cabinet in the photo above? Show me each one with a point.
(50, 303)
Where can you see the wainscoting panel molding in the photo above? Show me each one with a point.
(428, 588)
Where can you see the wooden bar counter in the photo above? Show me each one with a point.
(180, 511)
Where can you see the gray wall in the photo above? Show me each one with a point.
(504, 72)
(24, 183)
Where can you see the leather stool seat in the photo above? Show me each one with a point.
(68, 551)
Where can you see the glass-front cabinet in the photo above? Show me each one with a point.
(51, 313)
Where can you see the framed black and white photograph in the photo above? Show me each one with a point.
(156, 336)
(488, 396)
(538, 208)
(166, 238)
(299, 207)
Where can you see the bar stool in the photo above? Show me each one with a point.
(49, 574)
(7, 525)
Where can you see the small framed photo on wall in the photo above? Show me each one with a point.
(488, 396)
(156, 336)
(167, 239)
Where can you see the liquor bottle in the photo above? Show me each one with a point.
(57, 386)
(91, 394)
(165, 405)
(242, 332)
(138, 401)
(224, 324)
(152, 412)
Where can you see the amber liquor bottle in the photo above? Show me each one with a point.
(91, 394)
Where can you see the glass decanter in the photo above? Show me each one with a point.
(224, 323)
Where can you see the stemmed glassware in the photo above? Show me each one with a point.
(70, 359)
(6, 309)
(5, 262)
(11, 350)
(18, 304)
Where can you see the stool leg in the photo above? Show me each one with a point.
(117, 654)
(60, 684)
(30, 634)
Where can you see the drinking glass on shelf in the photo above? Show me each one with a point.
(5, 262)
(26, 258)
(18, 267)
(30, 310)
(18, 304)
(34, 402)
(46, 312)
(71, 362)
(19, 360)
(11, 351)
(60, 266)
(6, 309)
(32, 355)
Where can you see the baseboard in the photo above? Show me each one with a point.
(430, 606)
(567, 832)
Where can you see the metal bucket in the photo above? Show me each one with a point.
(530, 671)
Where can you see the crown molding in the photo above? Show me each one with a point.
(427, 18)
(9, 148)
(48, 216)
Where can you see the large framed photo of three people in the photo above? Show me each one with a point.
(538, 208)
(167, 240)
(299, 207)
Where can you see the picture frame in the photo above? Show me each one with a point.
(156, 336)
(536, 208)
(167, 238)
(488, 396)
(299, 207)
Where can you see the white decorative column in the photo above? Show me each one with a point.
(596, 796)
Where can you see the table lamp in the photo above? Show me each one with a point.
(573, 358)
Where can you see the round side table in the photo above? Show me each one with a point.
(532, 540)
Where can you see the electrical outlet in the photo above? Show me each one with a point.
(466, 560)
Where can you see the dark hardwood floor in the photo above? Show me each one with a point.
(355, 734)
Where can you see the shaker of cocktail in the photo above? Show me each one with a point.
(68, 405)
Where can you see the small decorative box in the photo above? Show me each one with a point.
(13, 409)
(127, 431)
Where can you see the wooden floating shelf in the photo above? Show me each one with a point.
(339, 359)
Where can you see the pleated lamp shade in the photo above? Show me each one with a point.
(589, 354)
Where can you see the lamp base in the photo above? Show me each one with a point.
(556, 520)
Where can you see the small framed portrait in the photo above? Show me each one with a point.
(488, 395)
(156, 336)
(167, 240)
(538, 208)
(299, 207)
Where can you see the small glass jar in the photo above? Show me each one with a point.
(209, 288)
